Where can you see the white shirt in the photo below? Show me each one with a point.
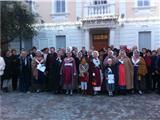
(2, 66)
(135, 62)
(96, 62)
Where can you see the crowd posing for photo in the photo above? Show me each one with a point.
(68, 71)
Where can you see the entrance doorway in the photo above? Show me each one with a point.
(100, 41)
(100, 38)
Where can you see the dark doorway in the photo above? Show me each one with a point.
(99, 38)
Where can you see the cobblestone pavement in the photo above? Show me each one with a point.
(46, 106)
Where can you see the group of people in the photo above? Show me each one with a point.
(108, 71)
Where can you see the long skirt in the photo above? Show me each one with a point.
(51, 78)
(67, 78)
(24, 82)
(122, 78)
(97, 79)
(84, 78)
(90, 86)
(137, 82)
(39, 83)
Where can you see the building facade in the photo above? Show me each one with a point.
(97, 23)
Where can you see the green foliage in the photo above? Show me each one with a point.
(16, 21)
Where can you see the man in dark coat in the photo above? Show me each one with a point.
(14, 69)
(153, 69)
(51, 68)
(158, 70)
(25, 72)
(84, 52)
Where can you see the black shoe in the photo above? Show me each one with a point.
(5, 89)
(55, 92)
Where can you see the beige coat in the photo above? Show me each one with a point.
(129, 73)
(142, 69)
(34, 66)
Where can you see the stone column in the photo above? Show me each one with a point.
(86, 39)
(112, 37)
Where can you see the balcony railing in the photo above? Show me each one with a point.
(99, 10)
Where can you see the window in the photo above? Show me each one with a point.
(144, 40)
(98, 2)
(143, 3)
(60, 6)
(61, 41)
(32, 5)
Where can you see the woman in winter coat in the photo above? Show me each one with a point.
(38, 71)
(140, 70)
(6, 77)
(2, 67)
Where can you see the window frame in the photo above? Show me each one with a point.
(142, 2)
(62, 6)
(100, 2)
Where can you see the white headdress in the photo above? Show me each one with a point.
(69, 50)
(95, 52)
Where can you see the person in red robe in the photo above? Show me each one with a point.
(68, 72)
(96, 73)
(121, 72)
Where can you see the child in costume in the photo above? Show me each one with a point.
(83, 68)
(110, 77)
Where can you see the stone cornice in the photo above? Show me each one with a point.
(107, 17)
(139, 19)
(58, 24)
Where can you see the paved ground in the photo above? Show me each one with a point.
(46, 106)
